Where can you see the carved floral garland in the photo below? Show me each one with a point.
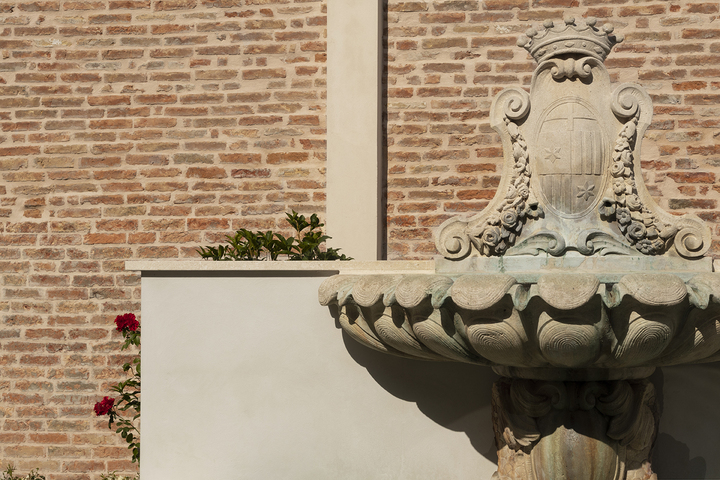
(639, 225)
(501, 227)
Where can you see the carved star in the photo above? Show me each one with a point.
(552, 154)
(586, 191)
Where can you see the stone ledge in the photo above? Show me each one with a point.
(527, 269)
(351, 267)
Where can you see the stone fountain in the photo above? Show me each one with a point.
(573, 285)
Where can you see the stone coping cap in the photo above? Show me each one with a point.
(524, 272)
(528, 269)
(351, 267)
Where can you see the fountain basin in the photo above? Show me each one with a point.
(549, 323)
(574, 347)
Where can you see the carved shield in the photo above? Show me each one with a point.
(570, 157)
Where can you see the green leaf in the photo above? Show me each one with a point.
(307, 244)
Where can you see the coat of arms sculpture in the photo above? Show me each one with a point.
(572, 178)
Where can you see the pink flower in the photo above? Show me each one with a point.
(128, 321)
(104, 406)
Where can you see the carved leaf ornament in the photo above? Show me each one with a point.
(622, 413)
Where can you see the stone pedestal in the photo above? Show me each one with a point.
(574, 430)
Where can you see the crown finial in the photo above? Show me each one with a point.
(569, 37)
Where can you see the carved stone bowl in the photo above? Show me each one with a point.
(561, 326)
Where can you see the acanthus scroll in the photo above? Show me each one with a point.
(626, 100)
(515, 102)
(692, 241)
(452, 240)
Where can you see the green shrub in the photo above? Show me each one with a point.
(115, 476)
(129, 390)
(305, 245)
(9, 474)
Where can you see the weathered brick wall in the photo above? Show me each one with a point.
(140, 129)
(133, 129)
(447, 59)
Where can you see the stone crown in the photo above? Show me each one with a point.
(568, 37)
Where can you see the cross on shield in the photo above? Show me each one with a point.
(570, 158)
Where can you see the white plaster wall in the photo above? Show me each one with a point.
(248, 378)
(245, 376)
(354, 207)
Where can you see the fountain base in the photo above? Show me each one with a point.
(575, 430)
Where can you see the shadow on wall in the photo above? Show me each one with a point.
(688, 442)
(457, 397)
(453, 395)
(672, 460)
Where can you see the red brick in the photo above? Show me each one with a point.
(641, 10)
(157, 252)
(702, 99)
(206, 172)
(704, 150)
(39, 6)
(703, 8)
(287, 157)
(243, 158)
(80, 31)
(169, 28)
(455, 17)
(264, 73)
(156, 99)
(505, 4)
(49, 438)
(682, 203)
(408, 7)
(164, 5)
(434, 43)
(103, 238)
(109, 100)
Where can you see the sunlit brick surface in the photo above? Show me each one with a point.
(447, 60)
(133, 129)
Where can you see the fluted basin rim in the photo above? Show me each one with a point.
(566, 322)
(477, 291)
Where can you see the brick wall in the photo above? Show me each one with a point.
(448, 58)
(141, 129)
(133, 129)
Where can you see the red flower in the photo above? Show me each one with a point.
(104, 406)
(128, 321)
